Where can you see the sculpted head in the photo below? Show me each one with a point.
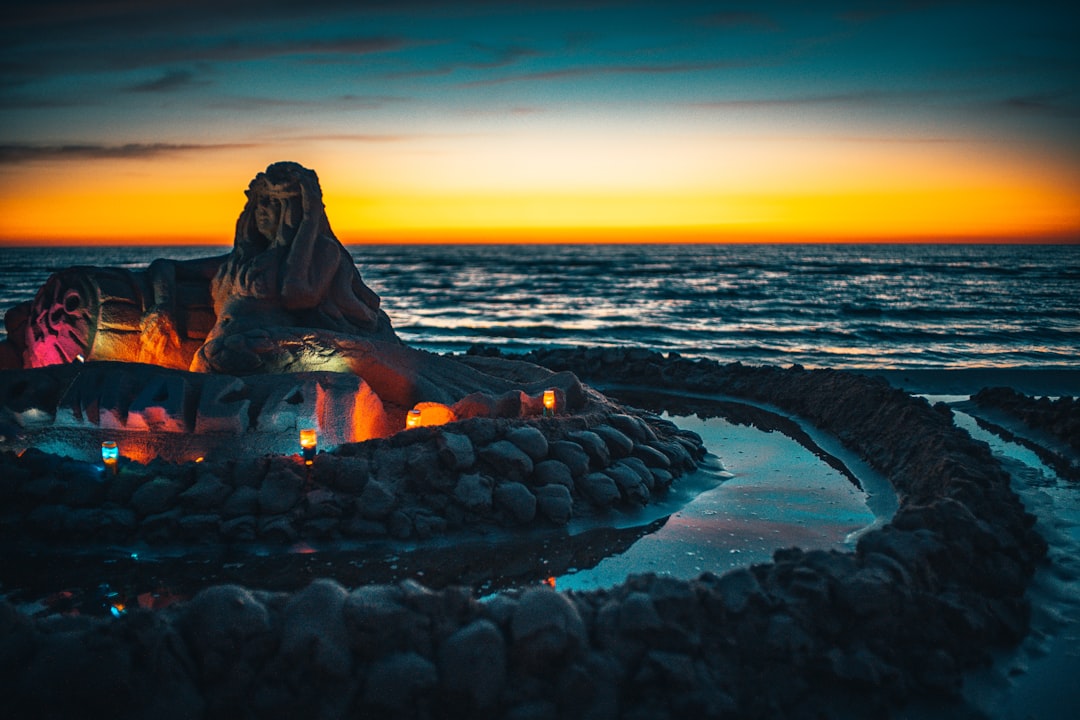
(275, 205)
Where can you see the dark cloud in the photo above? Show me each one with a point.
(15, 153)
(857, 98)
(751, 20)
(852, 98)
(38, 61)
(483, 56)
(171, 81)
(1054, 104)
(356, 137)
(602, 70)
(340, 102)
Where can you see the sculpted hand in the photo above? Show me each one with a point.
(310, 195)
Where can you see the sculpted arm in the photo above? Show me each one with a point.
(312, 262)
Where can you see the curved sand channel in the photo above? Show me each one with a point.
(759, 491)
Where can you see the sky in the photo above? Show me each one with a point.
(126, 121)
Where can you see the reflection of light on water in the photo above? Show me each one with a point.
(779, 495)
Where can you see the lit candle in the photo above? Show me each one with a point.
(412, 420)
(110, 453)
(308, 443)
(549, 402)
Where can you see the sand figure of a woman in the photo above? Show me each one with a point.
(289, 298)
(286, 269)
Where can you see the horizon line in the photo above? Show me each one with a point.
(616, 236)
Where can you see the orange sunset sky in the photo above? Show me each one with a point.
(143, 123)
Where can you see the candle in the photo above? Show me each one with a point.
(412, 420)
(308, 444)
(549, 402)
(110, 453)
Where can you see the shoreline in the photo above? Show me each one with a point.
(1037, 382)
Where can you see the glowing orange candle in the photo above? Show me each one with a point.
(412, 420)
(308, 444)
(549, 402)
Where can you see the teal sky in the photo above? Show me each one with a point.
(110, 81)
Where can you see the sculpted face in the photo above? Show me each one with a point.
(267, 215)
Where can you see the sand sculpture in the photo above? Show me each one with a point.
(288, 305)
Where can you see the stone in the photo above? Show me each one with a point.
(618, 443)
(546, 628)
(207, 493)
(472, 665)
(630, 484)
(637, 614)
(632, 427)
(396, 684)
(239, 529)
(652, 457)
(322, 503)
(553, 472)
(474, 492)
(662, 479)
(378, 622)
(377, 500)
(225, 625)
(594, 446)
(555, 503)
(281, 490)
(516, 500)
(455, 450)
(572, 455)
(600, 489)
(200, 528)
(350, 474)
(313, 629)
(277, 529)
(738, 588)
(155, 496)
(643, 471)
(507, 460)
(530, 440)
(242, 501)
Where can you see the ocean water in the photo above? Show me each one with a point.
(845, 306)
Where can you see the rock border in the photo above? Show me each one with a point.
(414, 485)
(812, 634)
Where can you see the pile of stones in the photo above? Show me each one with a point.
(416, 484)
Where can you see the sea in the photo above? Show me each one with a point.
(817, 305)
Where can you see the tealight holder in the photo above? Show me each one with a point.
(110, 454)
(412, 420)
(549, 403)
(308, 444)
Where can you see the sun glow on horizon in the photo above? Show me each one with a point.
(775, 190)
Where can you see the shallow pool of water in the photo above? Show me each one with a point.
(774, 494)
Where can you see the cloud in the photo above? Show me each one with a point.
(604, 70)
(854, 98)
(1054, 104)
(752, 20)
(170, 81)
(357, 137)
(340, 102)
(13, 154)
(491, 57)
(22, 60)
